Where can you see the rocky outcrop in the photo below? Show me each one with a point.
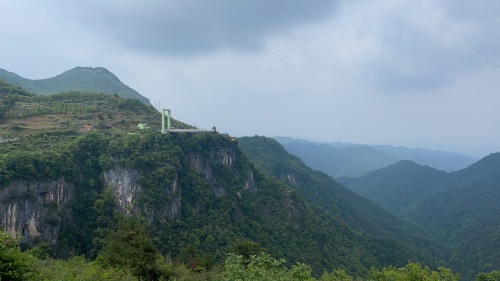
(203, 165)
(124, 183)
(289, 178)
(250, 181)
(34, 209)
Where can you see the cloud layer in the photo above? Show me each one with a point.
(369, 71)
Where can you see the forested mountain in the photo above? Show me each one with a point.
(461, 209)
(81, 79)
(70, 169)
(399, 185)
(322, 190)
(354, 160)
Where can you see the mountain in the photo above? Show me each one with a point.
(81, 79)
(354, 160)
(460, 209)
(320, 189)
(67, 184)
(399, 185)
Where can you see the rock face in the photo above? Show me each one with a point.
(33, 209)
(225, 156)
(124, 182)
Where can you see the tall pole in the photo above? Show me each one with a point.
(163, 121)
(168, 119)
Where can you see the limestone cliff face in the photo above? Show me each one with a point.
(127, 189)
(124, 183)
(33, 209)
(223, 156)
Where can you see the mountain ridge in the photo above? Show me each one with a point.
(355, 160)
(82, 79)
(64, 180)
(460, 208)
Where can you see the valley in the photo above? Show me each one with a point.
(79, 177)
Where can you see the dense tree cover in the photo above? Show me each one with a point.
(319, 188)
(201, 197)
(14, 265)
(199, 194)
(413, 271)
(399, 185)
(490, 276)
(461, 209)
(17, 265)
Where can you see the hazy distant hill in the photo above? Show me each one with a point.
(354, 160)
(322, 190)
(70, 163)
(399, 185)
(461, 208)
(82, 79)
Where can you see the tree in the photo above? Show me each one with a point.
(263, 268)
(491, 276)
(413, 272)
(14, 264)
(130, 247)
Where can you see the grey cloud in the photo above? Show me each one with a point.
(416, 59)
(189, 27)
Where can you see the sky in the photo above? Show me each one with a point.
(405, 73)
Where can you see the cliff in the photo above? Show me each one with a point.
(33, 210)
(198, 192)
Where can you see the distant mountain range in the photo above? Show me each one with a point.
(461, 208)
(81, 79)
(354, 160)
(322, 190)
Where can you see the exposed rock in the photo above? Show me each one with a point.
(289, 178)
(124, 183)
(250, 181)
(33, 209)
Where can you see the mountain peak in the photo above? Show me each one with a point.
(81, 79)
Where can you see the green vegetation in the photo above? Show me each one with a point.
(460, 209)
(18, 265)
(14, 265)
(399, 185)
(224, 202)
(320, 189)
(80, 79)
(183, 202)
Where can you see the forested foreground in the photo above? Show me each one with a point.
(138, 259)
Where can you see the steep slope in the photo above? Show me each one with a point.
(82, 79)
(354, 160)
(320, 189)
(461, 209)
(399, 185)
(466, 215)
(26, 116)
(198, 192)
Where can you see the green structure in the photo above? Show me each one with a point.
(163, 120)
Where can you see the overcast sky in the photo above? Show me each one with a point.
(415, 73)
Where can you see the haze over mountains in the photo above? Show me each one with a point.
(71, 164)
(82, 79)
(461, 208)
(354, 160)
